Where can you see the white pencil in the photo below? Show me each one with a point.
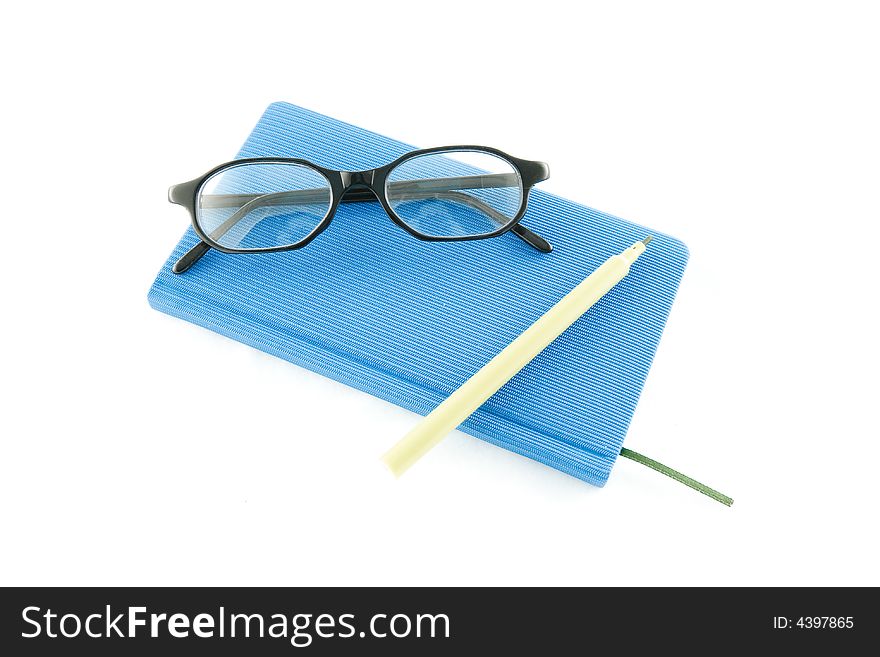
(498, 371)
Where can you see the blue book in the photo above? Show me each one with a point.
(409, 321)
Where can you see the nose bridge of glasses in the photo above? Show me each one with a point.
(358, 186)
(358, 178)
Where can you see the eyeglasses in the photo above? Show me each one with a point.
(267, 204)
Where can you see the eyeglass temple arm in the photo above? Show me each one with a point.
(532, 239)
(415, 192)
(190, 258)
(485, 181)
(408, 189)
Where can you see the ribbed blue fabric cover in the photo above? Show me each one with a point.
(409, 321)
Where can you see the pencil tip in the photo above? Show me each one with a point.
(647, 240)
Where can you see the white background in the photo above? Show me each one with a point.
(750, 132)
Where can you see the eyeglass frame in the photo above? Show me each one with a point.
(361, 186)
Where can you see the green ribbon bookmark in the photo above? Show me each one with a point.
(674, 474)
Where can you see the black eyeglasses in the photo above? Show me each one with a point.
(266, 204)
